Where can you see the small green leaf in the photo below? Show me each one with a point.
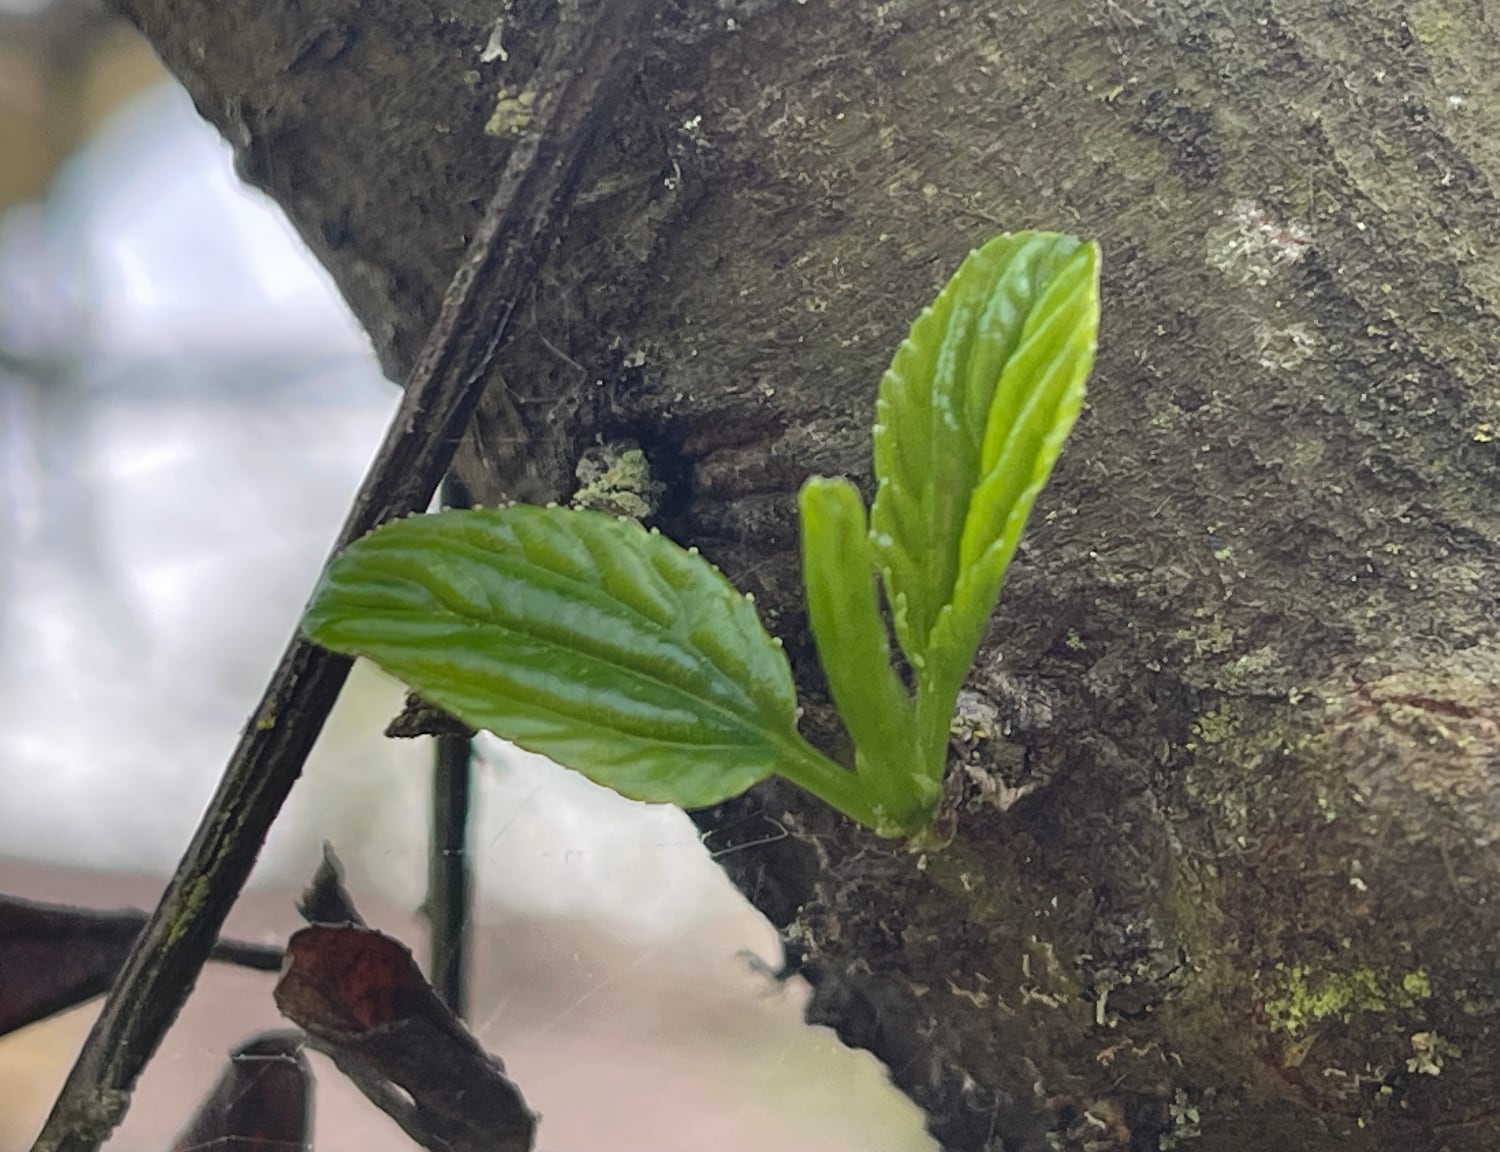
(941, 404)
(970, 419)
(1035, 406)
(585, 638)
(838, 569)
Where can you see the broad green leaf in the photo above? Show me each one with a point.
(838, 569)
(607, 648)
(969, 419)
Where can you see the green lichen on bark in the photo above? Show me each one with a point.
(617, 479)
(1302, 998)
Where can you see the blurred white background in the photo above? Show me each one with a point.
(186, 407)
(194, 410)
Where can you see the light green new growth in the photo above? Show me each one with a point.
(621, 655)
(970, 418)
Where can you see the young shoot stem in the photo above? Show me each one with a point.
(895, 777)
(832, 783)
(935, 704)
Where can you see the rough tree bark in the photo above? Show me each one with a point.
(1221, 869)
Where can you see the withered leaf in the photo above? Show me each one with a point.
(362, 1000)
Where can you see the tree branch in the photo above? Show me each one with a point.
(449, 882)
(53, 957)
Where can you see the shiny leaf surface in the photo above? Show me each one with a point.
(853, 649)
(576, 635)
(969, 419)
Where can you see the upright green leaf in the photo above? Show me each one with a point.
(970, 419)
(938, 404)
(585, 638)
(1036, 403)
(854, 652)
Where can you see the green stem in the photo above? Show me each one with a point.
(935, 705)
(832, 783)
(891, 776)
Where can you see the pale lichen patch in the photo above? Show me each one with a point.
(512, 113)
(1252, 245)
(1305, 998)
(617, 480)
(1429, 1050)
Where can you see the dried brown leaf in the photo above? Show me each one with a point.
(361, 999)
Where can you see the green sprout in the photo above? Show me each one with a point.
(620, 654)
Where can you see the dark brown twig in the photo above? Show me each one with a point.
(326, 900)
(419, 718)
(261, 1103)
(533, 191)
(448, 874)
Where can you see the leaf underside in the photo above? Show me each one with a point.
(585, 638)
